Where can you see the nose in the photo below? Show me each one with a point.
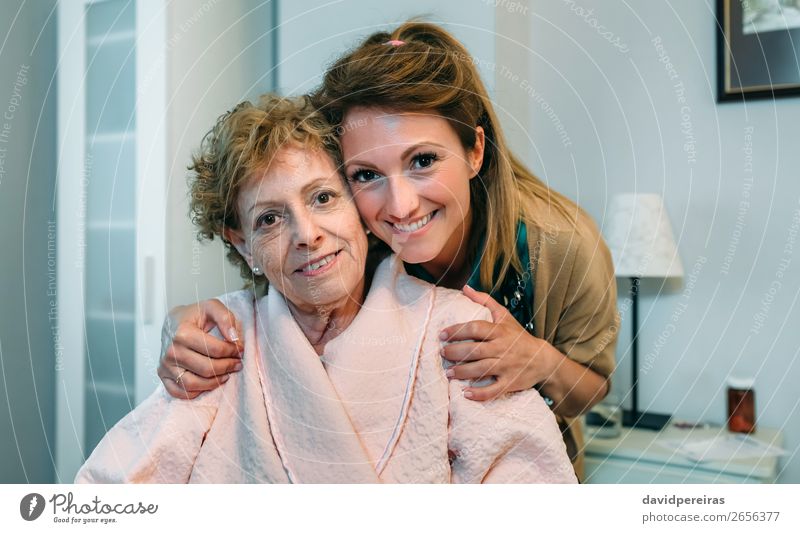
(402, 198)
(307, 232)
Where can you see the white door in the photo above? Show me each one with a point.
(111, 212)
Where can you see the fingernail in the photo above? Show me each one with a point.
(225, 378)
(443, 336)
(233, 335)
(450, 373)
(468, 394)
(237, 367)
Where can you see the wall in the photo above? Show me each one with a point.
(312, 34)
(27, 240)
(607, 114)
(219, 53)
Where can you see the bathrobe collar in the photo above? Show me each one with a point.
(309, 424)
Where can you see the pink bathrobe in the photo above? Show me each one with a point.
(376, 407)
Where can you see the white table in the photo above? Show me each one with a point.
(635, 457)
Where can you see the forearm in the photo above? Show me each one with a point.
(574, 388)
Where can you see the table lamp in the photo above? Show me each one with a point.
(639, 235)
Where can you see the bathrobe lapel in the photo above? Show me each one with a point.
(310, 424)
(311, 430)
(373, 365)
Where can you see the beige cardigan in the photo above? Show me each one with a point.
(575, 298)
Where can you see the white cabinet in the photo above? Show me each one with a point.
(636, 457)
(111, 216)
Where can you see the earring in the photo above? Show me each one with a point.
(257, 271)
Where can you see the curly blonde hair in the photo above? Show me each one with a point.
(242, 142)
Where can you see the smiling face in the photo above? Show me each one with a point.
(299, 225)
(410, 175)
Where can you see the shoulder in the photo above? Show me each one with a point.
(566, 241)
(239, 302)
(571, 229)
(160, 405)
(448, 306)
(452, 307)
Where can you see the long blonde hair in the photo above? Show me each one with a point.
(421, 67)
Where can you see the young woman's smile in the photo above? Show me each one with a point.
(416, 226)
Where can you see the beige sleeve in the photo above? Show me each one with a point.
(589, 323)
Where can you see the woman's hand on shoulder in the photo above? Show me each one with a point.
(193, 360)
(501, 349)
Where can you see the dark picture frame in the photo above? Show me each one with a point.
(758, 52)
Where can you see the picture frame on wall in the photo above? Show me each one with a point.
(758, 49)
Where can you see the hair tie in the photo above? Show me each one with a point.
(395, 42)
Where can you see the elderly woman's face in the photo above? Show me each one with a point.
(300, 226)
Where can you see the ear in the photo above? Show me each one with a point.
(237, 238)
(475, 154)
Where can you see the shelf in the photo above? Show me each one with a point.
(110, 38)
(109, 316)
(110, 137)
(103, 225)
(122, 390)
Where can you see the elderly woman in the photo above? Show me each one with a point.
(342, 377)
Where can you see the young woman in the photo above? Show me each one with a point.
(411, 110)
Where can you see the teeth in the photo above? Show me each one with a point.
(319, 264)
(408, 228)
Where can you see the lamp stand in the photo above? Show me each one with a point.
(634, 418)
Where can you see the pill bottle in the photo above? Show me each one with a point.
(741, 405)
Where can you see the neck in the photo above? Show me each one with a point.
(450, 267)
(322, 323)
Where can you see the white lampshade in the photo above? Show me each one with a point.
(639, 234)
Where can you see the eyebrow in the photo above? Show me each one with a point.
(306, 188)
(408, 151)
(316, 183)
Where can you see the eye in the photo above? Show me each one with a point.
(363, 176)
(267, 219)
(424, 160)
(324, 197)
